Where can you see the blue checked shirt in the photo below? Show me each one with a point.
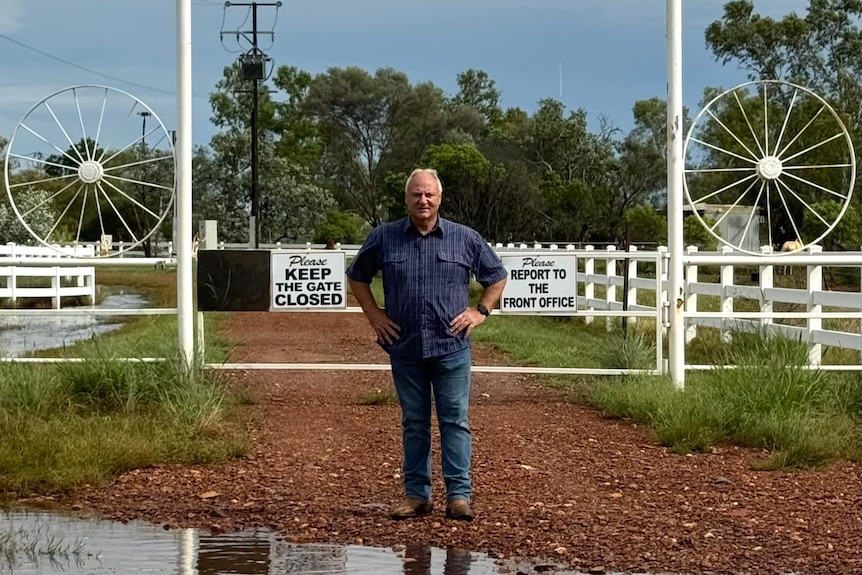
(425, 280)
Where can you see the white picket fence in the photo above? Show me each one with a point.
(64, 281)
(793, 312)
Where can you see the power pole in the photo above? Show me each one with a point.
(253, 70)
(144, 115)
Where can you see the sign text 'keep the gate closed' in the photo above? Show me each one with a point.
(305, 280)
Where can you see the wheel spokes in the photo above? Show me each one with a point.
(732, 135)
(83, 129)
(130, 198)
(786, 119)
(814, 147)
(60, 219)
(120, 216)
(139, 163)
(725, 188)
(49, 172)
(728, 152)
(768, 112)
(49, 198)
(748, 123)
(61, 152)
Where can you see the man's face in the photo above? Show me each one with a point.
(423, 198)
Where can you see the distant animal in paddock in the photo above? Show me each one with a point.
(790, 246)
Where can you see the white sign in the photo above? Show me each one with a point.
(540, 283)
(307, 280)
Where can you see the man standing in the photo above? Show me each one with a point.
(427, 263)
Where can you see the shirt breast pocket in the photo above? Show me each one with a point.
(454, 268)
(395, 267)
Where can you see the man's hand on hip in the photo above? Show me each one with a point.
(466, 321)
(387, 330)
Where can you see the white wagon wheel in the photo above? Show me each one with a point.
(88, 163)
(773, 152)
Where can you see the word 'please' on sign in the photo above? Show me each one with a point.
(540, 284)
(302, 281)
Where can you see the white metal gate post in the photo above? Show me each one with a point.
(676, 348)
(183, 241)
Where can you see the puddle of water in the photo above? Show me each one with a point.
(20, 334)
(97, 547)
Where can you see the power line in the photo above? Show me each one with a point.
(90, 70)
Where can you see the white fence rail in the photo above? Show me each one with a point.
(63, 281)
(613, 280)
(798, 313)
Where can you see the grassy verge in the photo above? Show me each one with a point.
(68, 424)
(769, 400)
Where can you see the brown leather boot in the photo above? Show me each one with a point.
(459, 509)
(412, 507)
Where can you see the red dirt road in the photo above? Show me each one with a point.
(554, 482)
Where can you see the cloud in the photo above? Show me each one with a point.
(12, 11)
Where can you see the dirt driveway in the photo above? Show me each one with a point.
(554, 482)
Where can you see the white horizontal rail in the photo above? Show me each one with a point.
(819, 258)
(73, 262)
(386, 367)
(824, 367)
(78, 359)
(87, 311)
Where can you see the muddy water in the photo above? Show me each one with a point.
(46, 543)
(20, 334)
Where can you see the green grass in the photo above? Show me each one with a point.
(386, 396)
(69, 424)
(73, 423)
(768, 401)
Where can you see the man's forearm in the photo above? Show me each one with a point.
(362, 292)
(492, 294)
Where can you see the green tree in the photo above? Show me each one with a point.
(822, 50)
(371, 126)
(644, 225)
(298, 136)
(844, 236)
(290, 148)
(41, 217)
(292, 205)
(639, 169)
(463, 171)
(478, 91)
(574, 167)
(342, 227)
(695, 234)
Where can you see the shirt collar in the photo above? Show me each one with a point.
(441, 228)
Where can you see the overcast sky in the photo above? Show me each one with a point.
(611, 52)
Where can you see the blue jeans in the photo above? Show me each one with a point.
(447, 380)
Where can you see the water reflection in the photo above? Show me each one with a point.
(20, 334)
(49, 543)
